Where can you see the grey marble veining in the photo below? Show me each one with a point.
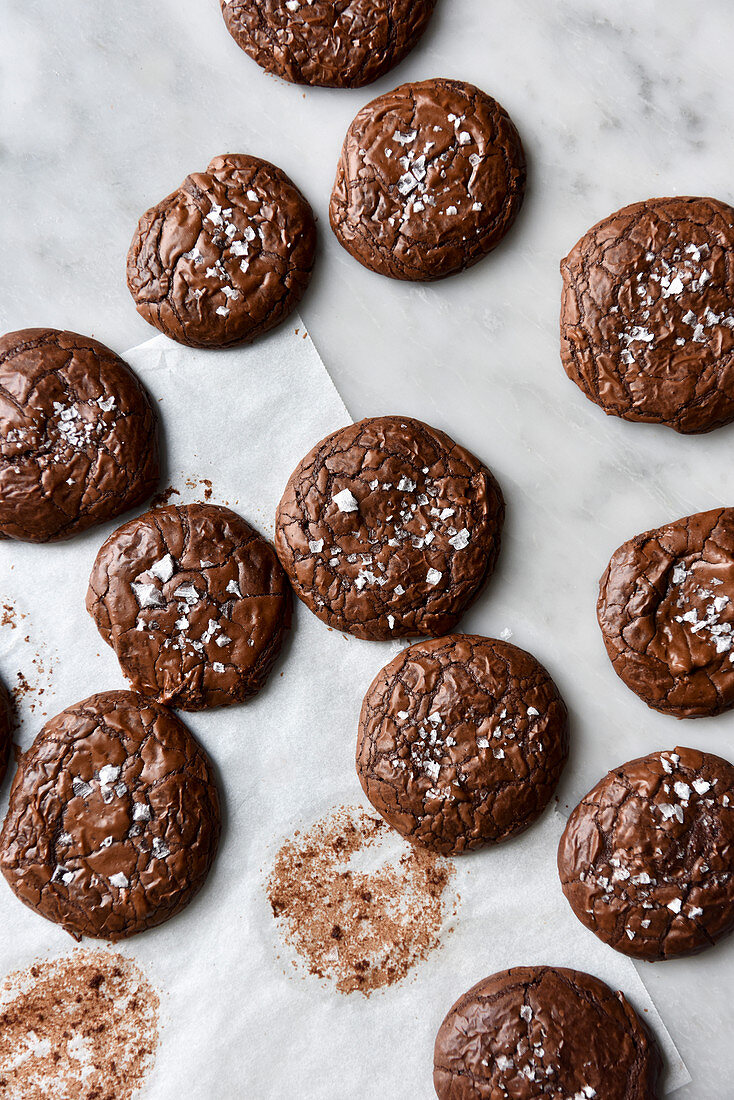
(104, 109)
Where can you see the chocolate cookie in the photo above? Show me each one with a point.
(78, 435)
(647, 323)
(647, 857)
(388, 529)
(226, 257)
(328, 43)
(431, 177)
(461, 742)
(6, 730)
(540, 1031)
(113, 820)
(666, 610)
(194, 603)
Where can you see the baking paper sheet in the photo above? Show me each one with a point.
(238, 1020)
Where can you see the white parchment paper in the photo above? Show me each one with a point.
(238, 1020)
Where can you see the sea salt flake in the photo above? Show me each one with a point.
(316, 545)
(461, 540)
(433, 576)
(187, 592)
(147, 595)
(675, 905)
(346, 501)
(119, 880)
(108, 774)
(526, 1013)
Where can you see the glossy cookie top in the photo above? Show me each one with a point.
(388, 529)
(647, 314)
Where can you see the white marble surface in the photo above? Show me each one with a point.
(103, 110)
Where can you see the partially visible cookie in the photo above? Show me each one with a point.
(647, 322)
(430, 179)
(78, 435)
(666, 611)
(327, 43)
(113, 821)
(541, 1031)
(388, 529)
(461, 742)
(647, 857)
(226, 257)
(6, 730)
(194, 603)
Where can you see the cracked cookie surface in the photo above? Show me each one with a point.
(226, 257)
(194, 603)
(389, 529)
(430, 179)
(666, 612)
(461, 742)
(544, 1033)
(78, 435)
(647, 858)
(6, 730)
(113, 820)
(327, 43)
(647, 323)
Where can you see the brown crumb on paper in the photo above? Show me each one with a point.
(357, 903)
(80, 1027)
(163, 497)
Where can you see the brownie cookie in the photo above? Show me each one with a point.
(647, 323)
(78, 435)
(666, 610)
(328, 43)
(461, 742)
(6, 730)
(647, 857)
(226, 257)
(113, 821)
(194, 603)
(388, 529)
(431, 177)
(541, 1031)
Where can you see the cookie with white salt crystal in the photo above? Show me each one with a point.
(194, 603)
(78, 435)
(462, 741)
(647, 857)
(330, 43)
(389, 529)
(647, 322)
(430, 179)
(113, 820)
(224, 258)
(666, 611)
(542, 1031)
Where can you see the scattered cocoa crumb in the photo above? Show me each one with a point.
(357, 903)
(194, 483)
(9, 616)
(82, 1026)
(163, 497)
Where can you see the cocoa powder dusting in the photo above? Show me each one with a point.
(82, 1027)
(357, 903)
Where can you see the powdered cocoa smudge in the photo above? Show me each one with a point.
(80, 1027)
(364, 925)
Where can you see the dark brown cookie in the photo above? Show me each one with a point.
(388, 529)
(78, 435)
(461, 742)
(194, 603)
(430, 179)
(113, 820)
(666, 610)
(327, 43)
(226, 257)
(541, 1031)
(6, 730)
(647, 857)
(647, 323)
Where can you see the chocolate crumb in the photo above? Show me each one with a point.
(359, 905)
(81, 1026)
